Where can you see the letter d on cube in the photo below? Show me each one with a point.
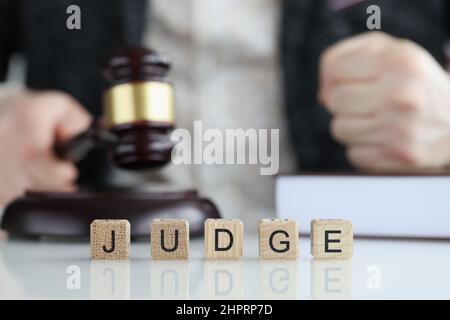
(224, 239)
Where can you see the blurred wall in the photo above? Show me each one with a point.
(226, 73)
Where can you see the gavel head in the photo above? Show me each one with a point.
(139, 108)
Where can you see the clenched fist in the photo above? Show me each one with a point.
(390, 102)
(30, 124)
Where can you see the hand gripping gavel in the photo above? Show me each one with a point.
(138, 113)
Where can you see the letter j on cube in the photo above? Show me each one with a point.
(110, 239)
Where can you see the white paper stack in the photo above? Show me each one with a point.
(392, 206)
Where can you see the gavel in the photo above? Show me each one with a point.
(138, 113)
(137, 120)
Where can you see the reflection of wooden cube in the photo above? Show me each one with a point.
(110, 239)
(110, 280)
(278, 280)
(331, 279)
(278, 239)
(169, 279)
(224, 239)
(170, 239)
(331, 239)
(224, 279)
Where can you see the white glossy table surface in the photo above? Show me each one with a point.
(380, 269)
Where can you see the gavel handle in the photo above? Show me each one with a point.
(76, 149)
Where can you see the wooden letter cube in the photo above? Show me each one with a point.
(331, 239)
(170, 239)
(278, 239)
(223, 239)
(110, 239)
